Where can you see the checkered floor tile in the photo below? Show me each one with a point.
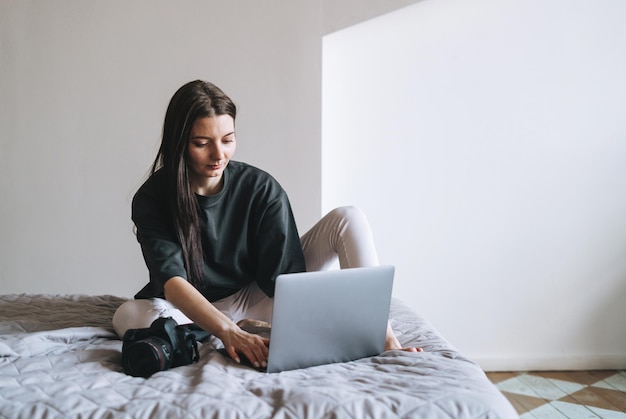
(565, 394)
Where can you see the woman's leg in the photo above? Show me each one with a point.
(345, 234)
(139, 314)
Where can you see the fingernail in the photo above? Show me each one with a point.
(257, 365)
(264, 364)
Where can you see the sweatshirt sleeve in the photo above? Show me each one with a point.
(278, 244)
(159, 246)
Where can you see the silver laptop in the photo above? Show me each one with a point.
(329, 316)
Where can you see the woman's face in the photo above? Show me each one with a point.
(211, 146)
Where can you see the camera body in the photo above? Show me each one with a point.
(159, 347)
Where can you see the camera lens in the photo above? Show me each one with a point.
(147, 356)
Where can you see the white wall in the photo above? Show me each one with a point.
(486, 140)
(339, 14)
(84, 87)
(83, 91)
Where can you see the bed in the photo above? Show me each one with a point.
(60, 358)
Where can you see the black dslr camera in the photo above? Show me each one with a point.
(159, 347)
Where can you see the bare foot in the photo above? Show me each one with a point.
(398, 347)
(393, 344)
(252, 323)
(256, 327)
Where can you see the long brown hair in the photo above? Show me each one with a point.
(195, 100)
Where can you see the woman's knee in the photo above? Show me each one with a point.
(134, 314)
(349, 216)
(347, 212)
(355, 244)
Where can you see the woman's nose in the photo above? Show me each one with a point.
(217, 153)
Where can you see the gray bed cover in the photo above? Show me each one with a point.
(60, 358)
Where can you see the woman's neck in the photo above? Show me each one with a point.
(207, 186)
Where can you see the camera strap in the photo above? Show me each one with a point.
(194, 344)
(198, 333)
(194, 335)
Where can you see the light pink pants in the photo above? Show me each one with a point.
(342, 235)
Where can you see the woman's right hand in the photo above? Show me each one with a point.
(236, 340)
(239, 342)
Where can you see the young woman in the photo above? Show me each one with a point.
(215, 233)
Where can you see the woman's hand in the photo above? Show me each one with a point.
(239, 342)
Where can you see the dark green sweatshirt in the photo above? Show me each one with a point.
(249, 234)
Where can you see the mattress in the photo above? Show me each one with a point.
(60, 358)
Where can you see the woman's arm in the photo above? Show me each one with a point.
(195, 306)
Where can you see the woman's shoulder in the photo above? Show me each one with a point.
(247, 171)
(150, 205)
(253, 179)
(151, 190)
